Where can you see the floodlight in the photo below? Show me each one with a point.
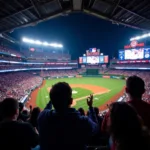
(131, 39)
(140, 37)
(24, 39)
(38, 42)
(60, 45)
(144, 35)
(45, 43)
(137, 38)
(30, 41)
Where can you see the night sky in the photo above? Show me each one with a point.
(79, 32)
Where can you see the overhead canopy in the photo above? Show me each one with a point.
(21, 13)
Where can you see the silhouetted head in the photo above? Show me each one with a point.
(135, 87)
(82, 112)
(35, 113)
(34, 116)
(61, 96)
(10, 108)
(124, 122)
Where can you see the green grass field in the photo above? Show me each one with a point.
(114, 85)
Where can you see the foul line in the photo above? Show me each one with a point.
(77, 99)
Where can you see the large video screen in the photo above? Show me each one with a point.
(134, 54)
(92, 59)
(101, 59)
(147, 53)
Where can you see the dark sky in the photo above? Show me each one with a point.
(79, 32)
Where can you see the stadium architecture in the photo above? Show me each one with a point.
(27, 71)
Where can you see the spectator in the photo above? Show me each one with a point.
(21, 117)
(126, 128)
(82, 112)
(99, 138)
(64, 127)
(99, 118)
(13, 134)
(34, 116)
(135, 88)
(25, 115)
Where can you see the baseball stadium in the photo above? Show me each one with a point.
(103, 89)
(74, 84)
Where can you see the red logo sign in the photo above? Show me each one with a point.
(134, 44)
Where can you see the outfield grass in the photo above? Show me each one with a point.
(114, 85)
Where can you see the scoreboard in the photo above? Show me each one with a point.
(93, 59)
(93, 56)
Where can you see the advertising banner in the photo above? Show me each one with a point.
(106, 76)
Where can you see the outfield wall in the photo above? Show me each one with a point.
(105, 76)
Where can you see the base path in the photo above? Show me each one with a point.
(95, 90)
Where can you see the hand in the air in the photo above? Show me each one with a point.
(90, 100)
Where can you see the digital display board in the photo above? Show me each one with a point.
(80, 60)
(147, 53)
(93, 59)
(84, 60)
(121, 54)
(101, 59)
(105, 59)
(134, 54)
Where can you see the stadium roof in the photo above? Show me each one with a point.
(21, 13)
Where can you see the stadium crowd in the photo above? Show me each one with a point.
(17, 85)
(124, 127)
(10, 58)
(24, 66)
(9, 51)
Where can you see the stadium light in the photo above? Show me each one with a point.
(45, 43)
(26, 40)
(38, 42)
(140, 37)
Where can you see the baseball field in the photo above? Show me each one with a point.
(104, 90)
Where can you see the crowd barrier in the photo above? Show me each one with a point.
(26, 97)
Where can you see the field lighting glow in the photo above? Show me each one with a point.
(140, 37)
(37, 42)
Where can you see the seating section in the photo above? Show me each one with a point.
(59, 73)
(47, 55)
(17, 85)
(10, 51)
(23, 66)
